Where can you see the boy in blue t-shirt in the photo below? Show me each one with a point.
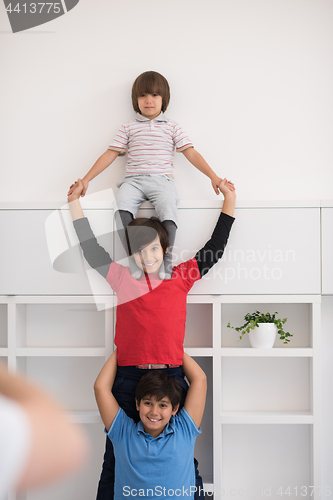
(155, 456)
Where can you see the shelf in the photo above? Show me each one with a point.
(199, 351)
(292, 417)
(253, 299)
(275, 352)
(102, 201)
(191, 299)
(60, 351)
(3, 351)
(85, 417)
(57, 299)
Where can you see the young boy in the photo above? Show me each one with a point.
(150, 140)
(155, 456)
(151, 314)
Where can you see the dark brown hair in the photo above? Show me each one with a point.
(158, 384)
(143, 231)
(150, 82)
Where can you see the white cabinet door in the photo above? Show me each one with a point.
(327, 251)
(30, 247)
(270, 251)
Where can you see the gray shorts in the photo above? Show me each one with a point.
(159, 189)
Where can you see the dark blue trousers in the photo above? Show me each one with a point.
(123, 389)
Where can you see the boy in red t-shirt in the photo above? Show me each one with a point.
(151, 313)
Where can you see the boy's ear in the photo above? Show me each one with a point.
(137, 404)
(175, 410)
(166, 250)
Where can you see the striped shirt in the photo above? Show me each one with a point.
(150, 144)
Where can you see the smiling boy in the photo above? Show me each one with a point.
(155, 456)
(151, 314)
(150, 140)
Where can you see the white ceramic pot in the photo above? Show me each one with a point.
(263, 336)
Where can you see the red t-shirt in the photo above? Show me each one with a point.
(151, 314)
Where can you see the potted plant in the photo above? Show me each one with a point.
(262, 329)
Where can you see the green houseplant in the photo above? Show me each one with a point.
(255, 319)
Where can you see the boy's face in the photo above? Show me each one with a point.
(150, 105)
(150, 258)
(154, 414)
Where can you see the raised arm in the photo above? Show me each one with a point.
(214, 248)
(196, 395)
(106, 402)
(58, 447)
(96, 256)
(200, 163)
(73, 199)
(227, 188)
(101, 164)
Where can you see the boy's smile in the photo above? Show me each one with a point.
(150, 105)
(154, 414)
(150, 258)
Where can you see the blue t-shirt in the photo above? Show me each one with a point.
(159, 467)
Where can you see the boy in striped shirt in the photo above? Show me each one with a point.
(150, 141)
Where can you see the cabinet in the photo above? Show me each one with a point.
(261, 427)
(283, 257)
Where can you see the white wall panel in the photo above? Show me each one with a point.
(275, 250)
(25, 261)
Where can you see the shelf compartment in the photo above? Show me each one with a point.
(199, 326)
(266, 384)
(280, 456)
(203, 450)
(69, 379)
(60, 325)
(298, 323)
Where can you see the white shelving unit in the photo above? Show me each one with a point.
(292, 397)
(261, 427)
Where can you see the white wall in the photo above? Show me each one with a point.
(258, 72)
(251, 83)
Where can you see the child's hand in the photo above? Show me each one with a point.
(227, 187)
(75, 191)
(215, 183)
(85, 185)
